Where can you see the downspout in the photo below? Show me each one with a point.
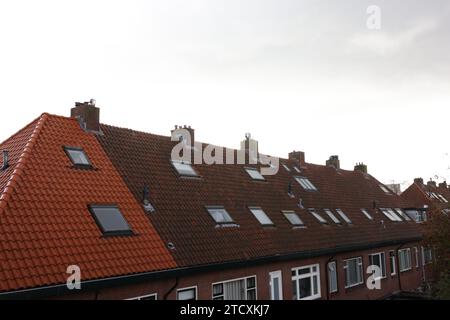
(171, 289)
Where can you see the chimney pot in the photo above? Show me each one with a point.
(431, 183)
(333, 162)
(443, 185)
(88, 115)
(298, 156)
(361, 167)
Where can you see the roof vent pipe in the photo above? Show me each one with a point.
(5, 160)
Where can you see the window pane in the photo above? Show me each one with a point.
(184, 169)
(188, 294)
(332, 216)
(305, 288)
(261, 216)
(218, 289)
(293, 218)
(77, 156)
(317, 216)
(251, 282)
(332, 276)
(254, 173)
(366, 213)
(305, 183)
(294, 290)
(220, 215)
(110, 219)
(343, 216)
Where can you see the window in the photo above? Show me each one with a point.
(332, 277)
(276, 285)
(187, 294)
(416, 256)
(332, 216)
(402, 214)
(390, 214)
(417, 215)
(261, 216)
(306, 282)
(385, 189)
(286, 168)
(220, 215)
(442, 198)
(367, 214)
(254, 173)
(392, 263)
(237, 289)
(153, 296)
(110, 220)
(427, 255)
(184, 168)
(404, 259)
(293, 218)
(297, 169)
(379, 260)
(353, 272)
(343, 216)
(78, 157)
(317, 216)
(306, 184)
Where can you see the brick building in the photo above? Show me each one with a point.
(137, 224)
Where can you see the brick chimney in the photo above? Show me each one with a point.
(443, 185)
(88, 115)
(250, 146)
(418, 181)
(179, 130)
(361, 167)
(298, 156)
(334, 162)
(431, 183)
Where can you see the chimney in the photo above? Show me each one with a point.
(298, 156)
(361, 167)
(418, 181)
(443, 185)
(5, 160)
(334, 162)
(88, 115)
(431, 183)
(251, 148)
(181, 130)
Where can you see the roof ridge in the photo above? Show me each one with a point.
(16, 175)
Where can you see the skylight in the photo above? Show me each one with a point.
(77, 156)
(220, 215)
(367, 214)
(317, 216)
(305, 183)
(184, 168)
(293, 218)
(261, 216)
(254, 173)
(402, 214)
(297, 169)
(385, 189)
(391, 214)
(110, 220)
(442, 198)
(332, 216)
(343, 216)
(286, 168)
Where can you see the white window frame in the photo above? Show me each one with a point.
(305, 183)
(310, 275)
(367, 214)
(344, 216)
(360, 267)
(393, 262)
(231, 222)
(416, 256)
(276, 275)
(292, 212)
(259, 209)
(335, 277)
(145, 296)
(257, 174)
(402, 213)
(390, 214)
(186, 163)
(408, 257)
(233, 280)
(382, 261)
(331, 215)
(186, 289)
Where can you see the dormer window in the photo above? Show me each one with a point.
(220, 215)
(305, 183)
(78, 157)
(184, 168)
(110, 220)
(255, 174)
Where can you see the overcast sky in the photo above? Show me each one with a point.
(303, 75)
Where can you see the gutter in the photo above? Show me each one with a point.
(61, 289)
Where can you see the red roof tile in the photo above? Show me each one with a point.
(45, 225)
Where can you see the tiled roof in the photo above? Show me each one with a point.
(181, 218)
(45, 225)
(419, 194)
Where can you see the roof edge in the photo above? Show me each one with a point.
(61, 289)
(19, 169)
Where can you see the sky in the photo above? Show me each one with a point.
(298, 75)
